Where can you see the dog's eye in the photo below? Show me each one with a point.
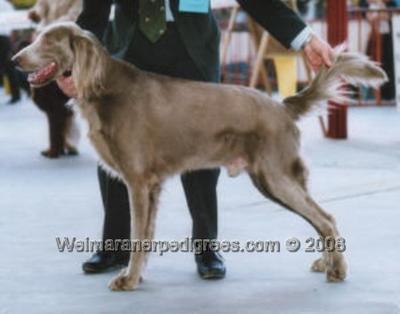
(45, 41)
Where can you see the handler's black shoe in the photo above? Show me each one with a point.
(101, 262)
(210, 265)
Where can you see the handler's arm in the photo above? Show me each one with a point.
(95, 16)
(286, 26)
(278, 19)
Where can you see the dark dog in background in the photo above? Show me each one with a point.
(52, 101)
(63, 133)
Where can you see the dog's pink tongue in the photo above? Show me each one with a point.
(43, 74)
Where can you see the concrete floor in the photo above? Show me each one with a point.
(357, 180)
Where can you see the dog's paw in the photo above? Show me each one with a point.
(51, 154)
(319, 266)
(122, 283)
(336, 275)
(337, 272)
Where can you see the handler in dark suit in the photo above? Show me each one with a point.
(167, 37)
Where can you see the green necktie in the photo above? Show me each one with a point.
(152, 20)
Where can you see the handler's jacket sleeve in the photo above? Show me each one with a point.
(284, 24)
(94, 16)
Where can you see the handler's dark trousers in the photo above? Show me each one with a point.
(167, 56)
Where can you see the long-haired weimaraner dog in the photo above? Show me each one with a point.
(147, 127)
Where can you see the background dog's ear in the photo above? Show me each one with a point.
(88, 70)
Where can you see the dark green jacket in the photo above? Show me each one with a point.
(199, 32)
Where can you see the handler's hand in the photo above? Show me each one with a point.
(318, 52)
(67, 85)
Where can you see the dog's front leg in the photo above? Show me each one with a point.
(129, 277)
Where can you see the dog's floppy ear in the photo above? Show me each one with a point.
(88, 70)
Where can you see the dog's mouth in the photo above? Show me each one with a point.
(43, 75)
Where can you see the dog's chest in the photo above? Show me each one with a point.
(103, 149)
(99, 138)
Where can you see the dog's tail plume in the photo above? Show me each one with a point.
(349, 68)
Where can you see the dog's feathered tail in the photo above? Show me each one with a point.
(349, 68)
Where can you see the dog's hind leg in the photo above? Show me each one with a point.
(291, 194)
(139, 199)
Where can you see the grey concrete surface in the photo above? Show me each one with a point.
(357, 180)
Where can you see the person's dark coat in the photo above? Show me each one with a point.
(198, 31)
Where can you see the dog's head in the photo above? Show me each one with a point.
(64, 49)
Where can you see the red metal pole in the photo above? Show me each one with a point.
(337, 20)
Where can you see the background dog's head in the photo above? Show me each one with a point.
(64, 49)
